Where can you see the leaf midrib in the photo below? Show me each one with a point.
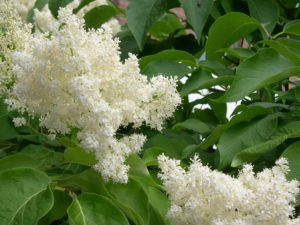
(81, 211)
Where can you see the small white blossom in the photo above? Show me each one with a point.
(201, 196)
(19, 121)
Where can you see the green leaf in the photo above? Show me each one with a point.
(23, 190)
(247, 115)
(38, 139)
(161, 30)
(173, 4)
(195, 82)
(264, 68)
(192, 124)
(290, 4)
(132, 199)
(79, 156)
(159, 201)
(155, 218)
(93, 209)
(287, 47)
(7, 130)
(137, 166)
(226, 30)
(197, 13)
(224, 80)
(99, 15)
(35, 209)
(292, 27)
(167, 68)
(240, 53)
(171, 144)
(292, 154)
(3, 108)
(297, 200)
(169, 24)
(290, 43)
(243, 135)
(45, 158)
(215, 67)
(227, 5)
(266, 12)
(59, 209)
(150, 155)
(68, 142)
(87, 181)
(252, 153)
(127, 43)
(219, 109)
(269, 105)
(54, 5)
(201, 79)
(189, 150)
(172, 54)
(141, 15)
(17, 160)
(216, 11)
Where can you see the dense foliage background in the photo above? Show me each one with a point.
(244, 51)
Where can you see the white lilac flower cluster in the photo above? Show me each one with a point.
(201, 196)
(74, 78)
(13, 35)
(45, 22)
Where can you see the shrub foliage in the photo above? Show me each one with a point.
(222, 51)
